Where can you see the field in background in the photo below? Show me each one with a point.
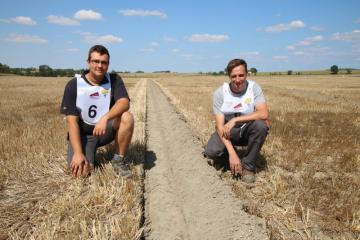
(310, 189)
(38, 197)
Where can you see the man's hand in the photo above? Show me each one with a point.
(100, 127)
(79, 166)
(227, 128)
(235, 164)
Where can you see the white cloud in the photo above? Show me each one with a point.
(315, 51)
(154, 44)
(291, 47)
(306, 42)
(208, 38)
(299, 53)
(21, 38)
(285, 26)
(142, 13)
(186, 55)
(175, 50)
(281, 58)
(60, 20)
(87, 15)
(169, 39)
(357, 20)
(105, 39)
(20, 20)
(147, 50)
(24, 20)
(73, 50)
(353, 36)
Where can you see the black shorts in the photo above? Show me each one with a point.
(90, 143)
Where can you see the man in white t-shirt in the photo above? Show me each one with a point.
(241, 118)
(96, 106)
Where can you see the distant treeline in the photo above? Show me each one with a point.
(47, 71)
(43, 70)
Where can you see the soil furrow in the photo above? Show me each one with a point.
(184, 198)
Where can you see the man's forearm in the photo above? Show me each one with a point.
(74, 135)
(229, 146)
(121, 106)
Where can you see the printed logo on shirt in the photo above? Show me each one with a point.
(248, 100)
(238, 106)
(95, 95)
(104, 92)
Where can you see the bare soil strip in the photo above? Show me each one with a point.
(184, 198)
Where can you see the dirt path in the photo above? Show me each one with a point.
(184, 198)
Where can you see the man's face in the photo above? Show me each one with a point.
(237, 78)
(98, 64)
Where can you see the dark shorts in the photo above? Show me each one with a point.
(90, 143)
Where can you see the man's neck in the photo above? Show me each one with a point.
(243, 88)
(94, 80)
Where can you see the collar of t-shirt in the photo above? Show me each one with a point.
(242, 92)
(104, 81)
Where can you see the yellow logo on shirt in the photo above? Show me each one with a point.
(248, 100)
(104, 92)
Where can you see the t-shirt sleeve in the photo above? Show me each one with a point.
(218, 99)
(118, 88)
(258, 95)
(68, 105)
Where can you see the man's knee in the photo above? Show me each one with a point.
(214, 148)
(126, 120)
(260, 127)
(213, 153)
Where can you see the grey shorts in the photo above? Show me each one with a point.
(90, 143)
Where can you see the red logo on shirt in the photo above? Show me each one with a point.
(94, 95)
(238, 106)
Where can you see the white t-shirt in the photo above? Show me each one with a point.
(218, 97)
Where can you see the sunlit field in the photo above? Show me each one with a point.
(310, 187)
(38, 197)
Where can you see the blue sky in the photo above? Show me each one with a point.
(182, 36)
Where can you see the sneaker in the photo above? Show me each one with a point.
(248, 176)
(120, 167)
(210, 161)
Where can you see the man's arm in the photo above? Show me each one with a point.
(234, 160)
(79, 165)
(261, 112)
(120, 106)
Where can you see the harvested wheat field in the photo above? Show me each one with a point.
(38, 197)
(307, 186)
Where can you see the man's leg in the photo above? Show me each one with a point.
(124, 128)
(215, 148)
(254, 134)
(89, 146)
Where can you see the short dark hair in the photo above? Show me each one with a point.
(100, 49)
(234, 63)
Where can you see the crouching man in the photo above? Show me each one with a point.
(241, 118)
(96, 106)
